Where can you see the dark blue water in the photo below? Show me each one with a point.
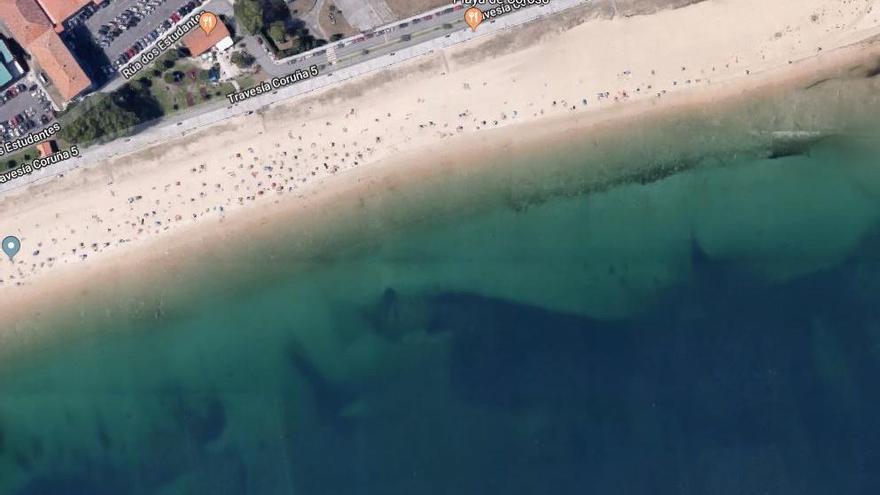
(713, 330)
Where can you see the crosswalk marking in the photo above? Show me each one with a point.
(331, 55)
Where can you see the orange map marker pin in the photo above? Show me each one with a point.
(208, 21)
(473, 17)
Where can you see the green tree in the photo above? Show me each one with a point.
(104, 118)
(142, 84)
(278, 32)
(172, 55)
(242, 59)
(169, 59)
(250, 14)
(276, 10)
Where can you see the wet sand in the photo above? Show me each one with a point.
(136, 218)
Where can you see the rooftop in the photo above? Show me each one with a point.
(5, 58)
(58, 63)
(33, 30)
(46, 148)
(59, 10)
(198, 42)
(24, 19)
(5, 76)
(5, 55)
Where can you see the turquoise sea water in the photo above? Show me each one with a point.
(707, 323)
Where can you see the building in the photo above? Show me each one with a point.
(198, 42)
(10, 70)
(46, 148)
(59, 11)
(32, 28)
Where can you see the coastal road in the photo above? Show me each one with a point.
(379, 42)
(384, 53)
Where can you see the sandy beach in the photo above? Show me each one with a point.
(543, 81)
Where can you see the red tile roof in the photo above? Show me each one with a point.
(198, 42)
(58, 63)
(46, 148)
(59, 10)
(29, 26)
(25, 20)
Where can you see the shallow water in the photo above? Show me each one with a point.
(711, 328)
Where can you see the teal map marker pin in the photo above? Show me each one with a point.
(11, 245)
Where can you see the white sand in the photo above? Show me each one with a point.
(258, 164)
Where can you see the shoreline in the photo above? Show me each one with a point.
(152, 135)
(399, 168)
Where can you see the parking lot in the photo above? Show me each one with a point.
(24, 108)
(125, 23)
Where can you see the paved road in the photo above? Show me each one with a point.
(351, 67)
(380, 42)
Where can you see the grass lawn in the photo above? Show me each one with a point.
(192, 90)
(16, 160)
(27, 155)
(171, 85)
(246, 81)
